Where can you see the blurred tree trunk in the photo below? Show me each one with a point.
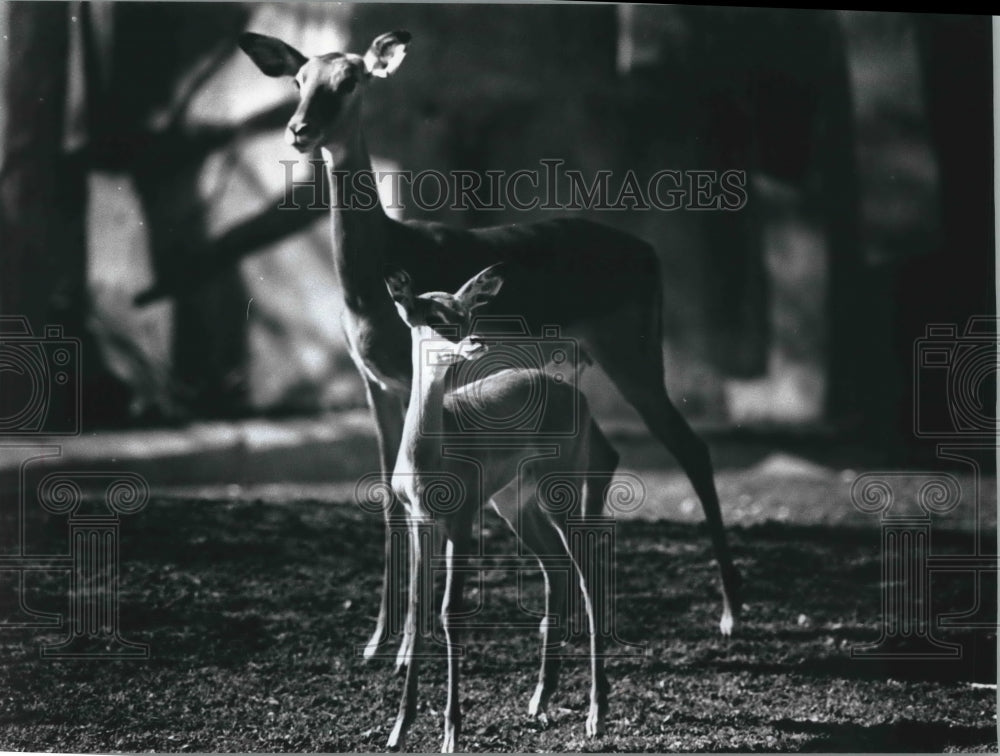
(42, 190)
(958, 279)
(33, 272)
(736, 298)
(858, 371)
(156, 49)
(153, 59)
(956, 56)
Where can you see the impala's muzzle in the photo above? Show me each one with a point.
(299, 135)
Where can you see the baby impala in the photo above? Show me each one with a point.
(507, 474)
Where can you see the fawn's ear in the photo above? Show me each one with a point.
(386, 53)
(400, 288)
(471, 348)
(481, 288)
(271, 55)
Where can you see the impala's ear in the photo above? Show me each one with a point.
(386, 53)
(271, 55)
(471, 348)
(400, 288)
(481, 288)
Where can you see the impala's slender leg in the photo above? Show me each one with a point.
(668, 425)
(457, 552)
(411, 618)
(603, 463)
(595, 717)
(535, 531)
(387, 410)
(628, 346)
(540, 536)
(531, 528)
(543, 528)
(412, 641)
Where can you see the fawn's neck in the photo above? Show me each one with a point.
(358, 224)
(424, 423)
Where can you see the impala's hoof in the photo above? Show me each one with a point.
(536, 707)
(377, 644)
(595, 724)
(404, 654)
(726, 623)
(375, 649)
(397, 738)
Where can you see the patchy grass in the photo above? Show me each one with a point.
(252, 612)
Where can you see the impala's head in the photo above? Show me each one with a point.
(329, 85)
(437, 314)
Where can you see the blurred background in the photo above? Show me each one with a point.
(163, 322)
(142, 172)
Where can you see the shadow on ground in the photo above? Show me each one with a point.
(253, 611)
(904, 736)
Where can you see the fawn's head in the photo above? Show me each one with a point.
(445, 317)
(329, 85)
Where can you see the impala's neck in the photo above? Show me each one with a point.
(358, 224)
(424, 423)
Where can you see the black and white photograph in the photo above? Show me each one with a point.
(496, 377)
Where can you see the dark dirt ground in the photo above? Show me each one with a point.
(252, 612)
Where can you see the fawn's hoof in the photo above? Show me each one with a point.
(537, 706)
(595, 724)
(377, 645)
(397, 738)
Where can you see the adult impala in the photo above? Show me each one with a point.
(599, 285)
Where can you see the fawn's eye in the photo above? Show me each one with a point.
(347, 85)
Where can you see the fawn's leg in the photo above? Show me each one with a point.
(603, 461)
(412, 641)
(542, 538)
(457, 549)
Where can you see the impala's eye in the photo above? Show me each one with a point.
(347, 86)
